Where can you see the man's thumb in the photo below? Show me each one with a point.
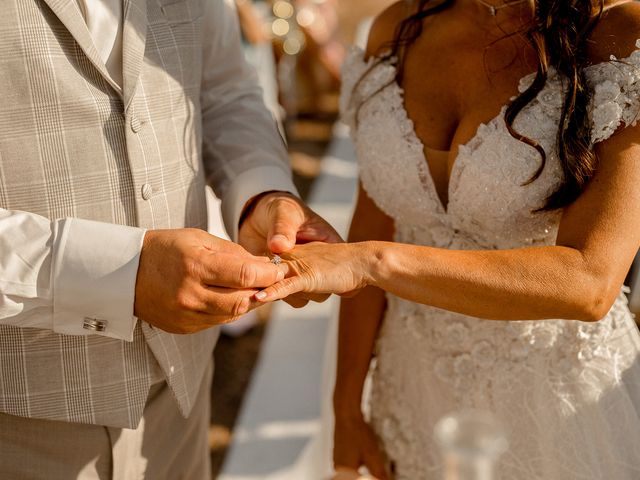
(286, 218)
(282, 233)
(280, 242)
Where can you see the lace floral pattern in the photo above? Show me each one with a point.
(568, 392)
(616, 97)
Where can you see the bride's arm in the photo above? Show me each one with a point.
(579, 278)
(360, 318)
(355, 444)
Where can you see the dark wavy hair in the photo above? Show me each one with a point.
(558, 33)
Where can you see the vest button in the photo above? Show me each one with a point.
(147, 191)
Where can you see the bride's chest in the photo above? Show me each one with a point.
(490, 199)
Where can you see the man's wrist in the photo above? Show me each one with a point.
(95, 288)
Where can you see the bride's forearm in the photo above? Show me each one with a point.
(520, 284)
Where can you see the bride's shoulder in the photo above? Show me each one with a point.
(614, 73)
(616, 33)
(384, 27)
(364, 73)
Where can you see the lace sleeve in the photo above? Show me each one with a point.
(616, 95)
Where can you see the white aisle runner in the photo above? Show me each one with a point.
(278, 434)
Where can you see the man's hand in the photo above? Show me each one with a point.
(277, 221)
(189, 280)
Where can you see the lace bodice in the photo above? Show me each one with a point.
(489, 205)
(542, 377)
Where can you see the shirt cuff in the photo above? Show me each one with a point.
(246, 186)
(95, 266)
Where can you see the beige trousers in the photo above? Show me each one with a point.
(165, 446)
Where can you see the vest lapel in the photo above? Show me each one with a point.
(69, 14)
(134, 37)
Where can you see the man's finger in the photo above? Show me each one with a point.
(316, 297)
(280, 290)
(296, 301)
(286, 218)
(318, 231)
(222, 305)
(301, 299)
(231, 271)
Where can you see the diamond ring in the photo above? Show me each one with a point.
(276, 260)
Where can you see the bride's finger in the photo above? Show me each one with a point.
(282, 289)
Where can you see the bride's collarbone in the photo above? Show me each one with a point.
(447, 104)
(443, 120)
(451, 87)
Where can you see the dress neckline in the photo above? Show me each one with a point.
(456, 167)
(413, 137)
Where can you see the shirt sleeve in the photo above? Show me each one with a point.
(59, 274)
(243, 152)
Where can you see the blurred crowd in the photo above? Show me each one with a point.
(298, 47)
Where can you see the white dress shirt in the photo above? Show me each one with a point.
(55, 274)
(104, 21)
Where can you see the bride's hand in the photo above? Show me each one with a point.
(356, 445)
(321, 268)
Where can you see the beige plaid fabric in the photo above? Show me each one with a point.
(73, 144)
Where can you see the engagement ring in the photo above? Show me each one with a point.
(276, 260)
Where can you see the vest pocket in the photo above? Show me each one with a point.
(181, 11)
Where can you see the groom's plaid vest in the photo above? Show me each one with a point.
(72, 146)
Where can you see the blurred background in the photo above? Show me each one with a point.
(271, 407)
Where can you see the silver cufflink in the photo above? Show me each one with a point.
(94, 324)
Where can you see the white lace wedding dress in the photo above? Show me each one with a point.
(568, 392)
